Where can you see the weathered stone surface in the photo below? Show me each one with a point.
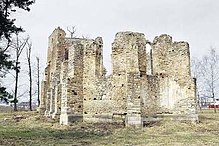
(129, 69)
(142, 84)
(171, 62)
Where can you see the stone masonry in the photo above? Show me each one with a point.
(142, 84)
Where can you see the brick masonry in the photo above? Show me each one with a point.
(157, 82)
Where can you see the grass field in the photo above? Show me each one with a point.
(32, 129)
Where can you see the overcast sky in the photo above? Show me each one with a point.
(195, 21)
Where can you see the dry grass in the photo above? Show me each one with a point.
(31, 129)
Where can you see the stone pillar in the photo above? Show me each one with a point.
(47, 111)
(134, 117)
(71, 99)
(129, 68)
(42, 107)
(135, 71)
(45, 89)
(119, 83)
(64, 120)
(52, 102)
(64, 72)
(57, 101)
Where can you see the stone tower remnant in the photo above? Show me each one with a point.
(142, 84)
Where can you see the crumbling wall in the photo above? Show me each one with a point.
(92, 81)
(72, 77)
(64, 116)
(142, 83)
(151, 94)
(84, 71)
(43, 94)
(75, 76)
(93, 66)
(171, 58)
(57, 100)
(171, 62)
(119, 83)
(46, 90)
(52, 73)
(42, 106)
(129, 67)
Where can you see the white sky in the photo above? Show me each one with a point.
(195, 21)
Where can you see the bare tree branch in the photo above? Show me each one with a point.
(72, 31)
(209, 74)
(28, 54)
(20, 45)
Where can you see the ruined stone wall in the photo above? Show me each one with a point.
(129, 68)
(92, 79)
(171, 62)
(93, 68)
(64, 94)
(58, 50)
(56, 40)
(171, 58)
(75, 76)
(142, 83)
(119, 83)
(52, 72)
(150, 94)
(46, 89)
(72, 78)
(42, 107)
(84, 71)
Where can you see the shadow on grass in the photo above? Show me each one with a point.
(205, 118)
(81, 134)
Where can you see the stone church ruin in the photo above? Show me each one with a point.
(142, 84)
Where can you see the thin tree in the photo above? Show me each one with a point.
(38, 80)
(28, 53)
(7, 29)
(19, 46)
(72, 31)
(210, 75)
(196, 64)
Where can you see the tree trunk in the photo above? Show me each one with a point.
(215, 110)
(30, 74)
(16, 85)
(38, 81)
(19, 48)
(214, 99)
(30, 77)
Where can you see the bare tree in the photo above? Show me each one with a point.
(209, 70)
(18, 46)
(38, 80)
(28, 53)
(72, 31)
(196, 65)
